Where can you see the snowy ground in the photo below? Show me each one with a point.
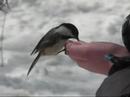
(29, 20)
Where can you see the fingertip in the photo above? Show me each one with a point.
(68, 46)
(73, 44)
(70, 42)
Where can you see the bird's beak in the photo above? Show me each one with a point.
(77, 39)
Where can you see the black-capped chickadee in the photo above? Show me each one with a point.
(53, 42)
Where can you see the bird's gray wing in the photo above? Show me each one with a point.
(39, 45)
(33, 63)
(45, 41)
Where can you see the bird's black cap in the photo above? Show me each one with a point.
(73, 29)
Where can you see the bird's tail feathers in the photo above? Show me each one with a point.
(33, 63)
(33, 52)
(63, 50)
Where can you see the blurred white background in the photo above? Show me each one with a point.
(26, 24)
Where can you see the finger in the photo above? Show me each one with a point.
(70, 43)
(74, 46)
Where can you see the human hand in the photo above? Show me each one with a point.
(90, 56)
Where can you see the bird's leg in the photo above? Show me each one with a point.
(63, 50)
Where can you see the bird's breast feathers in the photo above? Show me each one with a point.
(53, 50)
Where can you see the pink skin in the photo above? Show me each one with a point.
(90, 56)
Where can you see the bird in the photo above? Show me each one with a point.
(126, 33)
(119, 63)
(54, 40)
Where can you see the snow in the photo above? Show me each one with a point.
(29, 20)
